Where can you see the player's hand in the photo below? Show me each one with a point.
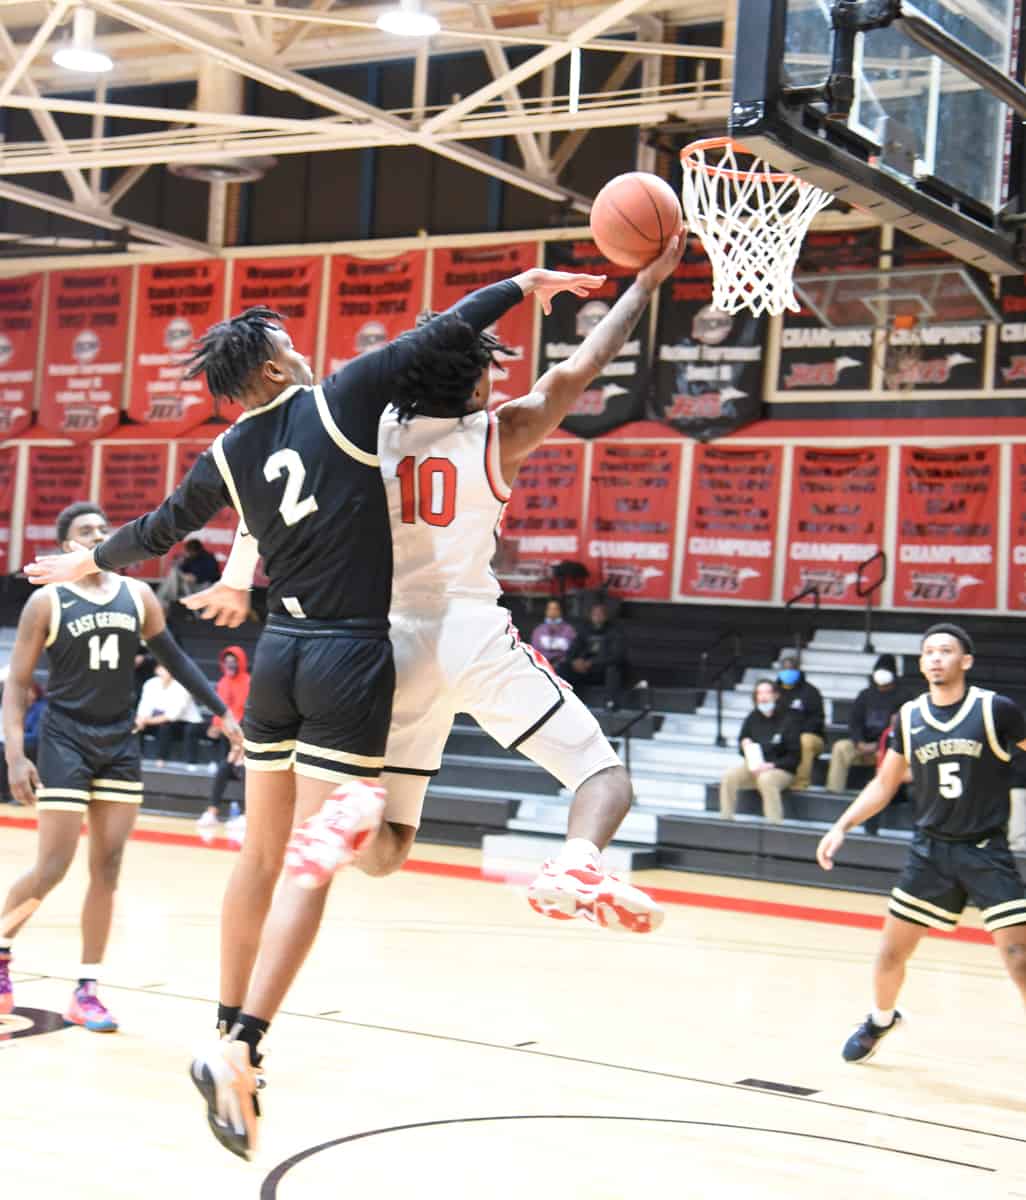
(220, 603)
(547, 284)
(61, 568)
(233, 732)
(23, 780)
(828, 846)
(652, 276)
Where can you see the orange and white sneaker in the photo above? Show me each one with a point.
(227, 1081)
(332, 837)
(563, 891)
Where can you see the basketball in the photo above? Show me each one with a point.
(633, 218)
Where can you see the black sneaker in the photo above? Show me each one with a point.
(862, 1044)
(228, 1083)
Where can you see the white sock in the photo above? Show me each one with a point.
(89, 971)
(579, 852)
(882, 1017)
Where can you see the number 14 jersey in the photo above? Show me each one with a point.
(446, 498)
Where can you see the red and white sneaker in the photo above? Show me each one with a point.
(332, 837)
(564, 892)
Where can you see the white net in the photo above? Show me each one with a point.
(751, 221)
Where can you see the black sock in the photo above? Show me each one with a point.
(227, 1015)
(83, 982)
(250, 1030)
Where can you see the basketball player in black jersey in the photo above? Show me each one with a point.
(957, 741)
(89, 755)
(301, 468)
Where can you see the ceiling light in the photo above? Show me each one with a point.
(408, 20)
(81, 53)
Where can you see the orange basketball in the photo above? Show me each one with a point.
(633, 218)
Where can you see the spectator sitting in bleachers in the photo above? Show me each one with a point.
(33, 722)
(806, 702)
(870, 715)
(554, 636)
(770, 742)
(233, 688)
(196, 569)
(596, 656)
(166, 708)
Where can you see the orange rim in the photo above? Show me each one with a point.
(710, 169)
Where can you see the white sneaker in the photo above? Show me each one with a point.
(235, 829)
(332, 837)
(226, 1080)
(564, 892)
(207, 826)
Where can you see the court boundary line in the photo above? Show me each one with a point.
(681, 897)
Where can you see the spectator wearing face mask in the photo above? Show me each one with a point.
(554, 636)
(870, 715)
(806, 703)
(771, 745)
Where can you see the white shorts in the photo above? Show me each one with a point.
(469, 659)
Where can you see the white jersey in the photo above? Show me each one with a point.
(446, 498)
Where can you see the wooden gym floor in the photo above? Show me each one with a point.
(444, 1041)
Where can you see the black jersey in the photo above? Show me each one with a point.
(91, 647)
(960, 755)
(303, 473)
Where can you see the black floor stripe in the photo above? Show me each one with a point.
(786, 1089)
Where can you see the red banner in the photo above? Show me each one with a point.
(133, 480)
(837, 520)
(8, 478)
(21, 304)
(292, 287)
(732, 521)
(84, 360)
(543, 520)
(57, 477)
(371, 301)
(947, 536)
(177, 303)
(1017, 531)
(632, 513)
(459, 271)
(217, 536)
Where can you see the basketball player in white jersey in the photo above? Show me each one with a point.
(448, 465)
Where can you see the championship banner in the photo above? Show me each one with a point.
(709, 373)
(371, 301)
(544, 518)
(459, 271)
(838, 499)
(8, 479)
(21, 304)
(632, 514)
(1017, 531)
(133, 480)
(617, 396)
(177, 303)
(1010, 360)
(217, 536)
(814, 357)
(732, 522)
(947, 534)
(57, 477)
(84, 358)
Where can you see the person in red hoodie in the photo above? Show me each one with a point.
(233, 688)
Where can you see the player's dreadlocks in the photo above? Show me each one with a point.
(441, 379)
(231, 351)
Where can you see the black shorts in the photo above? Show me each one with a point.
(941, 877)
(320, 698)
(79, 761)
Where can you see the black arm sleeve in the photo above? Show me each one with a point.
(200, 496)
(169, 654)
(358, 394)
(1009, 723)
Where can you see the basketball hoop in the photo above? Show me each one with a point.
(751, 221)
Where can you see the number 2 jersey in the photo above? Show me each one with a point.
(302, 472)
(91, 647)
(959, 755)
(446, 497)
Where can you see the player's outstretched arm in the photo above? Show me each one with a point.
(525, 424)
(873, 798)
(198, 498)
(33, 628)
